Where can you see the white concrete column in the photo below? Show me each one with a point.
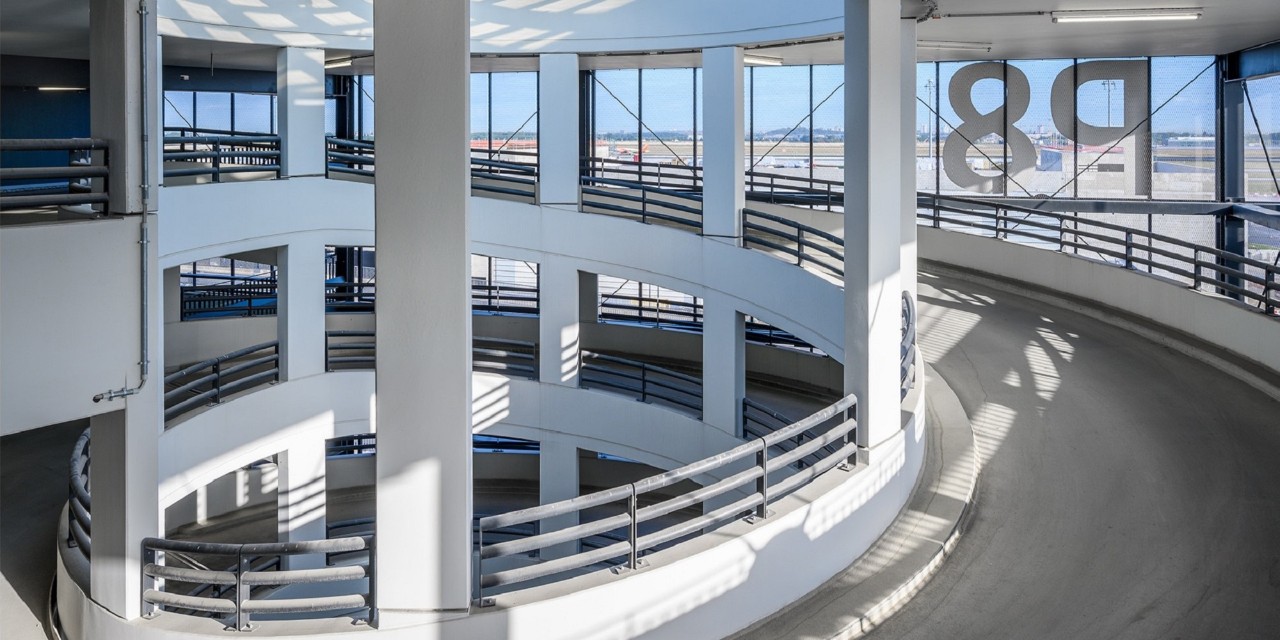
(300, 499)
(558, 316)
(557, 480)
(873, 61)
(908, 255)
(558, 129)
(300, 320)
(723, 177)
(300, 104)
(121, 43)
(172, 295)
(125, 451)
(724, 364)
(588, 298)
(424, 310)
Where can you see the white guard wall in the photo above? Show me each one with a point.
(65, 290)
(1246, 332)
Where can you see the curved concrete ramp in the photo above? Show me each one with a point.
(1127, 490)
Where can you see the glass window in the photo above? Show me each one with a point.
(780, 119)
(253, 113)
(179, 109)
(668, 114)
(213, 110)
(364, 86)
(1042, 157)
(617, 108)
(515, 111)
(1262, 139)
(1183, 126)
(827, 137)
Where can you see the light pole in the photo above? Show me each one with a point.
(1109, 85)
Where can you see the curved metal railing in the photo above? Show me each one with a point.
(231, 591)
(798, 191)
(66, 183)
(79, 501)
(646, 381)
(216, 152)
(810, 247)
(212, 380)
(747, 476)
(509, 173)
(641, 201)
(1184, 262)
(357, 350)
(907, 365)
(247, 296)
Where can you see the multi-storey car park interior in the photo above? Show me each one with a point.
(622, 319)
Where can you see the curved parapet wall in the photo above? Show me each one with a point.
(527, 26)
(1224, 323)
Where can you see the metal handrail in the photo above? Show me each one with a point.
(210, 151)
(243, 576)
(81, 180)
(654, 203)
(210, 381)
(801, 191)
(254, 296)
(1115, 244)
(682, 176)
(358, 157)
(79, 501)
(357, 350)
(648, 381)
(750, 487)
(907, 364)
(794, 239)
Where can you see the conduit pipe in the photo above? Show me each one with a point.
(144, 239)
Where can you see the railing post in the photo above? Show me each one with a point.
(1195, 262)
(242, 591)
(1128, 249)
(276, 348)
(217, 382)
(633, 531)
(373, 580)
(850, 437)
(477, 568)
(644, 204)
(644, 382)
(937, 215)
(1267, 292)
(799, 246)
(762, 483)
(148, 557)
(1061, 240)
(217, 161)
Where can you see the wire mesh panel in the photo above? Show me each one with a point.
(1183, 130)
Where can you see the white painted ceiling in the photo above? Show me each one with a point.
(59, 28)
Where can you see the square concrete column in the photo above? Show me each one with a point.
(300, 101)
(300, 499)
(723, 177)
(724, 360)
(122, 43)
(424, 311)
(300, 320)
(172, 295)
(557, 480)
(908, 255)
(558, 317)
(558, 129)
(873, 208)
(125, 450)
(588, 298)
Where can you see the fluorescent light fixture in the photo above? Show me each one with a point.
(956, 46)
(338, 64)
(757, 60)
(61, 88)
(1126, 15)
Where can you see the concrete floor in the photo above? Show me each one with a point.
(1127, 490)
(33, 490)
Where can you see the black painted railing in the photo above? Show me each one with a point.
(647, 381)
(643, 202)
(807, 246)
(217, 153)
(79, 502)
(212, 381)
(77, 178)
(1186, 263)
(907, 363)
